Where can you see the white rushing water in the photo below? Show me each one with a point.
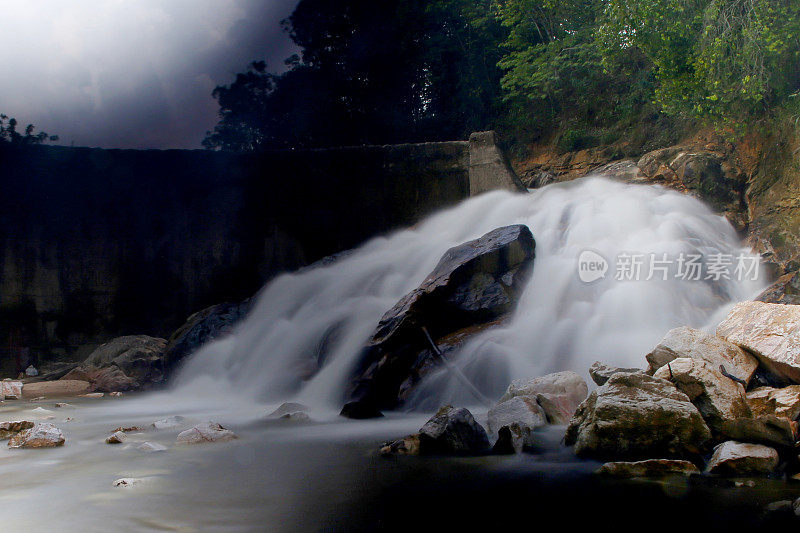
(289, 477)
(561, 322)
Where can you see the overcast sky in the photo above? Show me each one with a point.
(131, 73)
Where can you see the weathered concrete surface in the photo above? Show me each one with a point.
(100, 243)
(488, 167)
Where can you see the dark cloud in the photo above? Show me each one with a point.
(132, 73)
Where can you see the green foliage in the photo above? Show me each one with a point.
(10, 135)
(416, 70)
(722, 60)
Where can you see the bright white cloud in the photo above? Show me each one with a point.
(130, 73)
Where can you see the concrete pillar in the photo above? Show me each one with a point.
(489, 169)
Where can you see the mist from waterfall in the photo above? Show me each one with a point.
(303, 337)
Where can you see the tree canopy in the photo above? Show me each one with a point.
(9, 134)
(415, 70)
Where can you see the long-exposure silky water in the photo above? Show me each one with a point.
(648, 236)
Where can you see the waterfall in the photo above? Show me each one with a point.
(303, 337)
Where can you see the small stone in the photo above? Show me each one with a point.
(117, 437)
(7, 429)
(115, 394)
(204, 433)
(648, 468)
(739, 458)
(62, 405)
(130, 429)
(405, 446)
(600, 372)
(41, 435)
(127, 482)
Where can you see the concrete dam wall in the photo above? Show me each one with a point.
(97, 243)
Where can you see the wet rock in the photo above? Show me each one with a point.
(128, 429)
(783, 402)
(170, 422)
(205, 433)
(717, 397)
(151, 447)
(524, 414)
(733, 458)
(92, 395)
(297, 416)
(769, 430)
(202, 327)
(474, 283)
(558, 394)
(55, 389)
(287, 408)
(770, 331)
(118, 437)
(453, 431)
(62, 405)
(11, 390)
(600, 372)
(786, 290)
(648, 468)
(696, 344)
(636, 416)
(41, 435)
(405, 446)
(516, 438)
(115, 394)
(7, 429)
(779, 509)
(108, 379)
(127, 482)
(138, 356)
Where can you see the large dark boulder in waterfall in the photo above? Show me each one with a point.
(202, 327)
(636, 416)
(769, 331)
(473, 285)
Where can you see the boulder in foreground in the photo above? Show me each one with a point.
(770, 331)
(559, 394)
(451, 431)
(601, 372)
(41, 435)
(204, 433)
(696, 344)
(649, 468)
(783, 402)
(717, 397)
(636, 416)
(733, 458)
(519, 417)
